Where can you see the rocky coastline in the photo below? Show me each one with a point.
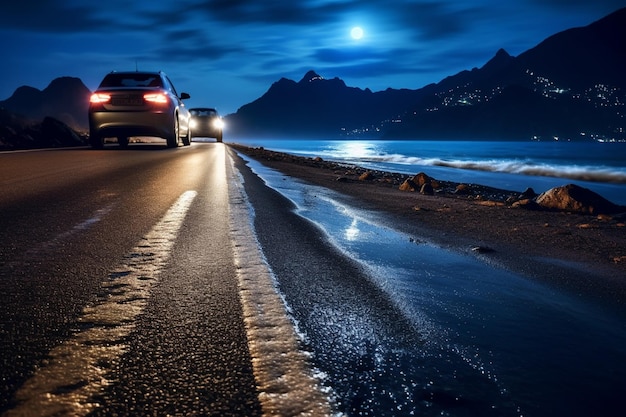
(569, 226)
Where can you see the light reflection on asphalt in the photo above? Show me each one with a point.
(539, 347)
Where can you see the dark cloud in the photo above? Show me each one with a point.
(338, 56)
(48, 16)
(429, 20)
(248, 44)
(192, 47)
(565, 5)
(273, 11)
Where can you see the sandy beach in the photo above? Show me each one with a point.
(584, 254)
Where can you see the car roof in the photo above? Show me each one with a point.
(137, 72)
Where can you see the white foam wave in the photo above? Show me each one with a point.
(520, 167)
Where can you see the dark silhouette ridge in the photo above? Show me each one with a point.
(65, 99)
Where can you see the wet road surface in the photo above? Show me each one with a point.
(118, 290)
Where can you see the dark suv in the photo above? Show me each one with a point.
(138, 104)
(206, 122)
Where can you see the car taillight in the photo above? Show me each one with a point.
(155, 98)
(99, 98)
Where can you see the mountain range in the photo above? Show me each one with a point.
(570, 86)
(65, 99)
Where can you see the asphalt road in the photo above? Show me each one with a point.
(144, 282)
(119, 285)
(153, 281)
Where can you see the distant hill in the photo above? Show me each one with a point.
(65, 99)
(570, 86)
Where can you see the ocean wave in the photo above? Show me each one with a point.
(574, 172)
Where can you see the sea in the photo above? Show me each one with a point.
(493, 342)
(509, 165)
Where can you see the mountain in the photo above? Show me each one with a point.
(65, 99)
(315, 107)
(570, 86)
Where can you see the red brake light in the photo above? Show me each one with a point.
(155, 98)
(98, 98)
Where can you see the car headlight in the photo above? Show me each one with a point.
(218, 123)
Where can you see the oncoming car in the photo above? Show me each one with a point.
(207, 123)
(138, 104)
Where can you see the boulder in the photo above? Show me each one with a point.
(421, 179)
(576, 199)
(462, 189)
(418, 182)
(528, 193)
(408, 185)
(527, 203)
(427, 189)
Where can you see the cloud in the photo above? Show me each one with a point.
(565, 5)
(408, 43)
(45, 16)
(273, 12)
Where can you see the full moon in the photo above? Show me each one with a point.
(356, 33)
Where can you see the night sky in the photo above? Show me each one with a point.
(227, 53)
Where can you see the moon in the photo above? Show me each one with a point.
(356, 33)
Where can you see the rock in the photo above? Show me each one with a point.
(491, 203)
(527, 204)
(367, 175)
(418, 182)
(511, 200)
(462, 189)
(420, 179)
(408, 185)
(427, 189)
(528, 193)
(576, 199)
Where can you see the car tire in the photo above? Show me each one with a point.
(187, 139)
(172, 140)
(96, 141)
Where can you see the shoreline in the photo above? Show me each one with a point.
(584, 254)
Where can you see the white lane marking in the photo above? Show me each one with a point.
(82, 226)
(76, 369)
(286, 383)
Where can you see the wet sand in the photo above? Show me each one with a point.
(583, 254)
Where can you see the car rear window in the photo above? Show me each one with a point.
(131, 80)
